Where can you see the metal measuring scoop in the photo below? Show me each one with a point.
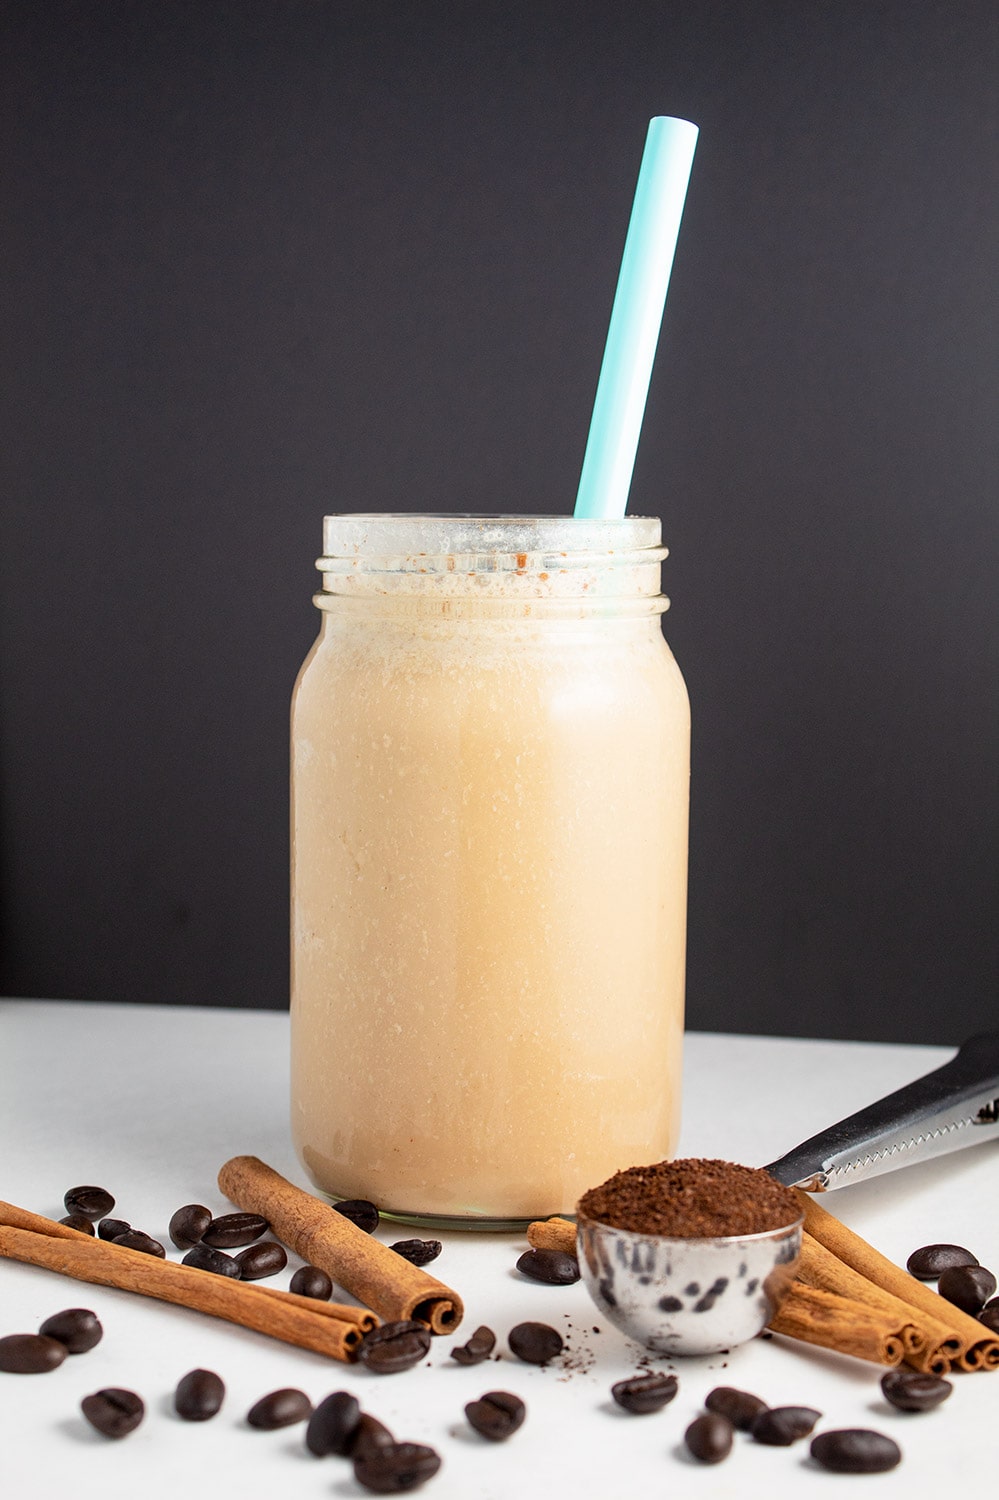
(956, 1105)
(687, 1296)
(701, 1295)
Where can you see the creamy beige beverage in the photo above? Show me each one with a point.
(489, 830)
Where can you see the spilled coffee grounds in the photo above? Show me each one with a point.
(692, 1198)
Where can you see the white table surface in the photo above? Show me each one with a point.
(149, 1101)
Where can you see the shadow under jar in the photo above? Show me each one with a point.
(490, 769)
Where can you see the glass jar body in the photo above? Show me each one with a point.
(489, 857)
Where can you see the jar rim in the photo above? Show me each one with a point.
(371, 535)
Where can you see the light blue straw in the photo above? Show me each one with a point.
(636, 316)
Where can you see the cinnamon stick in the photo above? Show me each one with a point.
(840, 1324)
(552, 1234)
(928, 1344)
(327, 1329)
(363, 1266)
(971, 1345)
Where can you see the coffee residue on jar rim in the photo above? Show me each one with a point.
(692, 1198)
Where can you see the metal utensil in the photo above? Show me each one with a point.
(687, 1296)
(954, 1106)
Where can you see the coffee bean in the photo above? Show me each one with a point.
(967, 1287)
(369, 1433)
(333, 1425)
(199, 1395)
(360, 1212)
(136, 1240)
(91, 1202)
(709, 1438)
(645, 1393)
(30, 1353)
(309, 1281)
(780, 1426)
(989, 1315)
(535, 1343)
(392, 1470)
(188, 1224)
(417, 1252)
(258, 1261)
(552, 1266)
(232, 1230)
(279, 1409)
(79, 1222)
(110, 1229)
(113, 1412)
(394, 1347)
(204, 1258)
(740, 1407)
(929, 1260)
(77, 1328)
(911, 1391)
(479, 1347)
(855, 1450)
(496, 1415)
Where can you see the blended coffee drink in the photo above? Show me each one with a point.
(489, 865)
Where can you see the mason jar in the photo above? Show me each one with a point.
(490, 768)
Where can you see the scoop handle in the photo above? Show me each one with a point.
(954, 1106)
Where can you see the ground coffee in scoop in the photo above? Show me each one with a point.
(692, 1198)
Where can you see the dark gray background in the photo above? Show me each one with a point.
(270, 260)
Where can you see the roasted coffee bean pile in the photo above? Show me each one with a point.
(709, 1438)
(205, 1238)
(960, 1279)
(338, 1426)
(71, 1332)
(88, 1204)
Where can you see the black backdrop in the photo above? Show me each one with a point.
(270, 260)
